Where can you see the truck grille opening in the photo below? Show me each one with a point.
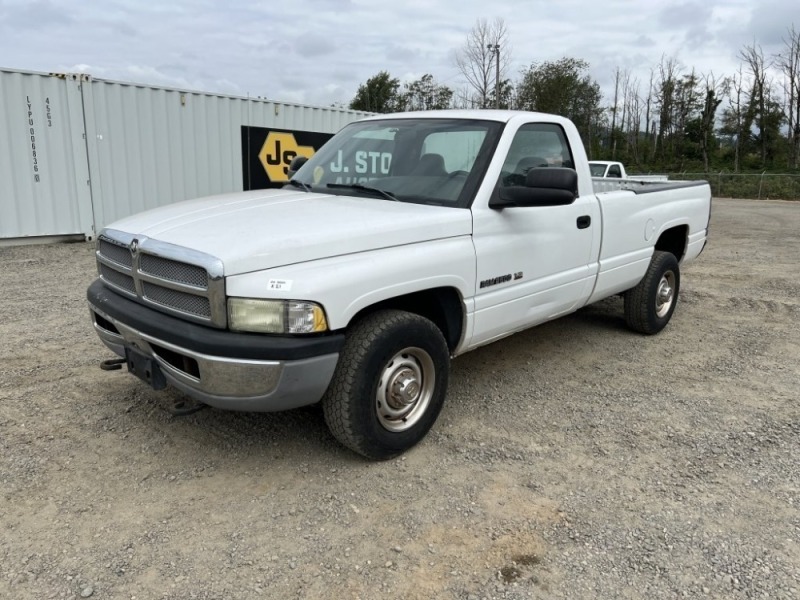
(185, 364)
(188, 303)
(114, 251)
(172, 270)
(118, 279)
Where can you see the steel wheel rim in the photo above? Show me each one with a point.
(405, 389)
(665, 294)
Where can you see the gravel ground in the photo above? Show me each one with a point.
(574, 460)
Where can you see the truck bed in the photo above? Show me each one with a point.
(604, 184)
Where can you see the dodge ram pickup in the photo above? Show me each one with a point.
(405, 241)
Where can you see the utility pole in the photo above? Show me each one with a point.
(495, 49)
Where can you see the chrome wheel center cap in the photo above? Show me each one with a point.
(665, 293)
(405, 388)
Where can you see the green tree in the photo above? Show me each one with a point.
(763, 108)
(688, 103)
(426, 94)
(768, 136)
(380, 94)
(564, 87)
(708, 114)
(506, 95)
(666, 92)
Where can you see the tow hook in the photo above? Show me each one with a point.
(112, 364)
(182, 407)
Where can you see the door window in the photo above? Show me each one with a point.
(535, 145)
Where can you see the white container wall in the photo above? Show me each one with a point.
(44, 175)
(92, 151)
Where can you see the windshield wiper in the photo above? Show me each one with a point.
(299, 184)
(365, 188)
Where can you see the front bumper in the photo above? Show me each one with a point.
(232, 371)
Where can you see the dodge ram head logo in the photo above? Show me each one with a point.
(134, 247)
(278, 151)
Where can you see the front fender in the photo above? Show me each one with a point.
(345, 285)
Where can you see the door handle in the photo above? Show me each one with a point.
(584, 221)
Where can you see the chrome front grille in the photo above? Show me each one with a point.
(114, 251)
(169, 278)
(173, 270)
(190, 303)
(120, 280)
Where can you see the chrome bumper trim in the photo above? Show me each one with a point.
(228, 383)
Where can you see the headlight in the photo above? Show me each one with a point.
(275, 316)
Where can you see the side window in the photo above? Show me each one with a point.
(535, 145)
(614, 171)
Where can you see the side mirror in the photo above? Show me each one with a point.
(545, 186)
(294, 166)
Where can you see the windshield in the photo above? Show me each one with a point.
(428, 161)
(597, 169)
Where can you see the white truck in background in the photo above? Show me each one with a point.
(406, 240)
(609, 169)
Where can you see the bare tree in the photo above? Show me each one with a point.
(759, 95)
(618, 75)
(788, 61)
(734, 117)
(476, 60)
(648, 113)
(632, 115)
(462, 98)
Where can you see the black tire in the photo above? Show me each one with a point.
(389, 350)
(649, 305)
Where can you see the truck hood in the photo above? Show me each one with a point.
(251, 231)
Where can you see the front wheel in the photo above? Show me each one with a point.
(649, 305)
(389, 385)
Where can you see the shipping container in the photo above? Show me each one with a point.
(43, 164)
(77, 153)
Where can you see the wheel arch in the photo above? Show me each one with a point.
(674, 240)
(444, 306)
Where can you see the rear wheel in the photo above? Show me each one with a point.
(649, 306)
(389, 385)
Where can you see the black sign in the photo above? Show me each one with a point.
(266, 154)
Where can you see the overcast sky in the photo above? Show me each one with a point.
(318, 51)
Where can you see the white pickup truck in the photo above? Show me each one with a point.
(406, 240)
(609, 169)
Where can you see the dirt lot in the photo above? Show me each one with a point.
(575, 460)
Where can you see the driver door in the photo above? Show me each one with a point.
(533, 263)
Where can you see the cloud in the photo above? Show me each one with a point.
(314, 46)
(34, 15)
(644, 41)
(152, 75)
(689, 21)
(321, 50)
(770, 20)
